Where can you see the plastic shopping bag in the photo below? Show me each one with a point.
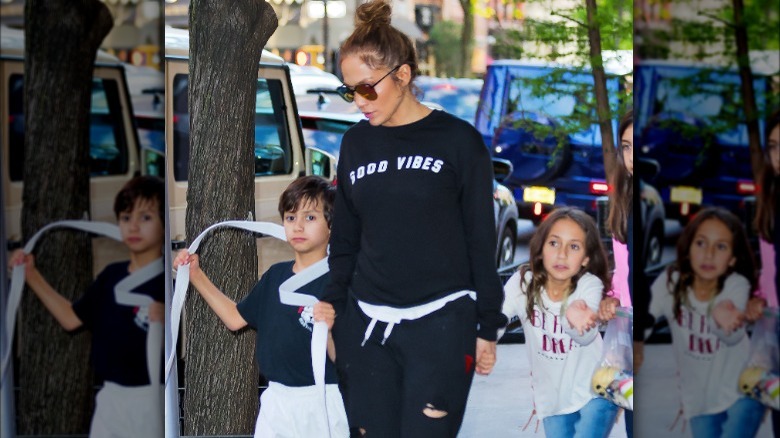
(614, 378)
(760, 379)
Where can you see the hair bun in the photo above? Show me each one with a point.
(373, 14)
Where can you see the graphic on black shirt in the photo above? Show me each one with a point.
(118, 331)
(283, 345)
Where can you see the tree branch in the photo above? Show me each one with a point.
(568, 18)
(718, 19)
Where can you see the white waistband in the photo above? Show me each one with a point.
(394, 315)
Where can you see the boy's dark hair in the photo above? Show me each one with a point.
(145, 187)
(308, 189)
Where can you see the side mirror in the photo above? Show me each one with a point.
(647, 169)
(502, 169)
(321, 163)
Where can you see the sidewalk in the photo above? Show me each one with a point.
(500, 404)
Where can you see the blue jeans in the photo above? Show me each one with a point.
(594, 420)
(742, 419)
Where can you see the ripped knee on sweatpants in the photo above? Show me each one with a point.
(431, 411)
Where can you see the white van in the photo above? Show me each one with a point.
(114, 149)
(279, 149)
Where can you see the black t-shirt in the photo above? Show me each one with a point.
(118, 331)
(283, 347)
(414, 218)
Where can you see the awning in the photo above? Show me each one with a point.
(408, 27)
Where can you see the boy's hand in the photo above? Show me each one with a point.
(324, 311)
(727, 316)
(755, 309)
(18, 257)
(184, 258)
(607, 308)
(580, 316)
(156, 312)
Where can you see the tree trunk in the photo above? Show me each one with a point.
(748, 94)
(61, 42)
(467, 36)
(226, 42)
(600, 89)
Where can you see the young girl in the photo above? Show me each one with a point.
(766, 219)
(620, 216)
(703, 295)
(556, 296)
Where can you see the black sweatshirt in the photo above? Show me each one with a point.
(414, 218)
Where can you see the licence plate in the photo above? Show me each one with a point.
(545, 195)
(691, 195)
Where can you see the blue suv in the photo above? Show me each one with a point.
(522, 123)
(689, 119)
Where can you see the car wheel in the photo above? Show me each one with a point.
(654, 250)
(506, 247)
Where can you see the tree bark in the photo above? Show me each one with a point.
(61, 42)
(226, 42)
(467, 36)
(600, 89)
(748, 93)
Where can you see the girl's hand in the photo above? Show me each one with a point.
(727, 316)
(324, 311)
(754, 309)
(608, 308)
(184, 258)
(580, 316)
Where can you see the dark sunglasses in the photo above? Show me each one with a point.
(366, 90)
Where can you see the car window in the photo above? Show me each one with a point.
(107, 146)
(273, 152)
(523, 97)
(335, 126)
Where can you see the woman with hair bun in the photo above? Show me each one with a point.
(412, 247)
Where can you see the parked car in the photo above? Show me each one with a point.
(521, 124)
(114, 148)
(322, 133)
(689, 119)
(307, 78)
(459, 97)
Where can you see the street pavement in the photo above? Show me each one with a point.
(500, 404)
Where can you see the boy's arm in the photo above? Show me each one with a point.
(224, 307)
(59, 307)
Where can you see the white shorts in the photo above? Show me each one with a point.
(288, 411)
(128, 412)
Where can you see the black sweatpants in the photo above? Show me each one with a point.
(425, 363)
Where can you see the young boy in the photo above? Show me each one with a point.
(129, 404)
(291, 406)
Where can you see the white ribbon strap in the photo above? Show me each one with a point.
(17, 276)
(286, 294)
(123, 294)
